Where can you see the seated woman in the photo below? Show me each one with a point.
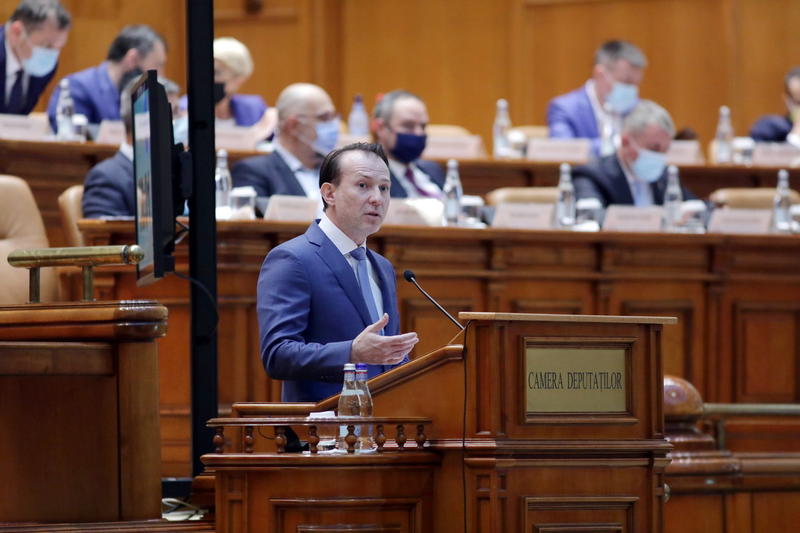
(233, 65)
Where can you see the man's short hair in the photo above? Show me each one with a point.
(235, 55)
(646, 113)
(612, 51)
(794, 72)
(330, 171)
(385, 107)
(32, 13)
(141, 37)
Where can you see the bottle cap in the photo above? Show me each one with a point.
(349, 366)
(724, 110)
(783, 174)
(452, 164)
(672, 170)
(502, 103)
(222, 153)
(361, 366)
(565, 168)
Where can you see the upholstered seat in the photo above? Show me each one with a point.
(535, 195)
(748, 198)
(21, 227)
(71, 210)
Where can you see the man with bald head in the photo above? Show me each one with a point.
(308, 128)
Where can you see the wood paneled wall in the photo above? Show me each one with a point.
(461, 55)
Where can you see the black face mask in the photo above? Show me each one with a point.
(128, 76)
(219, 92)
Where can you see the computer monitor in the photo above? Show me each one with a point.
(155, 172)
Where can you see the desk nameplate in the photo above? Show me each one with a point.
(566, 380)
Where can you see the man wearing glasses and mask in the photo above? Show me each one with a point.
(595, 111)
(308, 129)
(29, 46)
(399, 122)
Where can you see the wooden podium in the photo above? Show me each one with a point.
(539, 423)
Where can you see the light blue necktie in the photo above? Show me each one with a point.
(360, 254)
(640, 197)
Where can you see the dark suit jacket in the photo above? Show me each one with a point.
(771, 128)
(432, 169)
(36, 85)
(604, 179)
(267, 174)
(310, 309)
(109, 189)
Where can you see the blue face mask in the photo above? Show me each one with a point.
(409, 147)
(42, 61)
(327, 136)
(622, 98)
(649, 165)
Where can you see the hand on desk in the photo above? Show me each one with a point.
(375, 349)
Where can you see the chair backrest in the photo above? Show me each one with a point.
(534, 195)
(71, 210)
(748, 198)
(21, 227)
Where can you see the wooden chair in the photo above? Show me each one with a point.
(71, 210)
(534, 195)
(21, 226)
(748, 198)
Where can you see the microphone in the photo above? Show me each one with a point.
(409, 275)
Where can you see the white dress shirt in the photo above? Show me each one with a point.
(345, 244)
(422, 180)
(609, 125)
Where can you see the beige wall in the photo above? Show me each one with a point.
(461, 55)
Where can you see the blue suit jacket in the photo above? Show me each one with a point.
(247, 109)
(109, 189)
(771, 128)
(310, 309)
(267, 174)
(604, 179)
(431, 168)
(36, 85)
(93, 93)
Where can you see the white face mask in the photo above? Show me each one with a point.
(623, 96)
(649, 164)
(42, 61)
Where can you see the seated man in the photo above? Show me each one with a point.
(399, 122)
(308, 128)
(109, 189)
(323, 298)
(95, 90)
(31, 41)
(782, 128)
(636, 174)
(595, 111)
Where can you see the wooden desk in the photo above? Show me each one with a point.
(79, 410)
(737, 299)
(51, 167)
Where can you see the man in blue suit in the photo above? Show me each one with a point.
(595, 110)
(308, 129)
(399, 122)
(96, 90)
(636, 174)
(782, 128)
(31, 41)
(323, 298)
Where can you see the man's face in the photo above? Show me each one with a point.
(652, 137)
(619, 71)
(357, 204)
(793, 97)
(155, 59)
(408, 116)
(46, 35)
(316, 108)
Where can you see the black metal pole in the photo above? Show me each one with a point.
(202, 223)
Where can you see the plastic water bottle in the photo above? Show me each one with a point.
(565, 205)
(673, 198)
(365, 399)
(65, 109)
(349, 403)
(782, 217)
(223, 184)
(358, 121)
(723, 145)
(453, 192)
(502, 123)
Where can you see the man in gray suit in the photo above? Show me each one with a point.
(308, 128)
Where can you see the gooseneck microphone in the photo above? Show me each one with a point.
(409, 275)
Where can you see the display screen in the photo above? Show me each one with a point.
(142, 148)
